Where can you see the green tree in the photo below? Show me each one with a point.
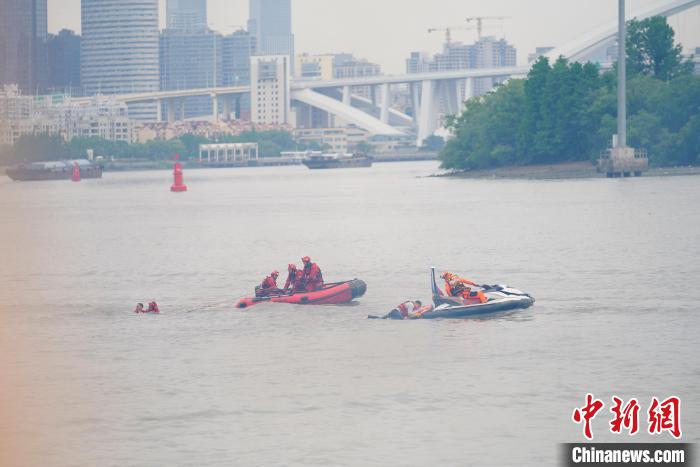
(651, 49)
(433, 143)
(41, 147)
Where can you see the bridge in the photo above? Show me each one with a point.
(432, 93)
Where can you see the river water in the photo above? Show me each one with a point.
(613, 265)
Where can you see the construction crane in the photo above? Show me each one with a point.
(479, 20)
(448, 31)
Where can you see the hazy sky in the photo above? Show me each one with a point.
(386, 31)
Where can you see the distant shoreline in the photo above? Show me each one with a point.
(564, 171)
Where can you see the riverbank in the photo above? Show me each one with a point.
(569, 170)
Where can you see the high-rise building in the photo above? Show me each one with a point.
(238, 48)
(186, 15)
(271, 24)
(120, 49)
(487, 52)
(23, 44)
(269, 89)
(64, 61)
(191, 60)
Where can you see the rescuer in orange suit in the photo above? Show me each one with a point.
(456, 286)
(268, 285)
(312, 278)
(293, 282)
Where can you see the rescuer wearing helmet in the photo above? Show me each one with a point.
(293, 281)
(268, 285)
(456, 286)
(312, 278)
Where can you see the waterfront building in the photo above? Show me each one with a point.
(186, 15)
(315, 66)
(191, 60)
(24, 44)
(269, 89)
(101, 117)
(64, 62)
(341, 140)
(120, 50)
(271, 24)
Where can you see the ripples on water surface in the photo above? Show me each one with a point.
(607, 260)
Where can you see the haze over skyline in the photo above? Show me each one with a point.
(387, 32)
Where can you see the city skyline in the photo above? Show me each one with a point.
(529, 25)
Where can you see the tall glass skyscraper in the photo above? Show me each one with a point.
(271, 24)
(119, 50)
(23, 44)
(186, 15)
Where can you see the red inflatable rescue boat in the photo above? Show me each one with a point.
(330, 294)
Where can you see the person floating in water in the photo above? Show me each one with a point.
(411, 309)
(152, 308)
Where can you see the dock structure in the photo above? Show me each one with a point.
(621, 160)
(228, 152)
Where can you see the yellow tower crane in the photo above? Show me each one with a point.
(448, 31)
(479, 22)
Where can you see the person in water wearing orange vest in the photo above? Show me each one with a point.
(411, 309)
(293, 282)
(153, 308)
(268, 285)
(312, 278)
(456, 286)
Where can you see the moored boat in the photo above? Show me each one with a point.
(331, 294)
(336, 161)
(55, 170)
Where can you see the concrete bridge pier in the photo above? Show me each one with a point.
(227, 107)
(215, 105)
(170, 103)
(386, 101)
(428, 115)
(159, 110)
(347, 96)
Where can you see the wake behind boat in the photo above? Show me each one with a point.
(331, 294)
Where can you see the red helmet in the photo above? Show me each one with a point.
(292, 267)
(306, 259)
(275, 273)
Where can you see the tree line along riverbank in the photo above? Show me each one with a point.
(566, 112)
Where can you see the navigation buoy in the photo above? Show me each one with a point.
(76, 173)
(178, 186)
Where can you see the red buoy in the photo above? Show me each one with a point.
(75, 176)
(178, 186)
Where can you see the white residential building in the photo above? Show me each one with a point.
(269, 89)
(103, 117)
